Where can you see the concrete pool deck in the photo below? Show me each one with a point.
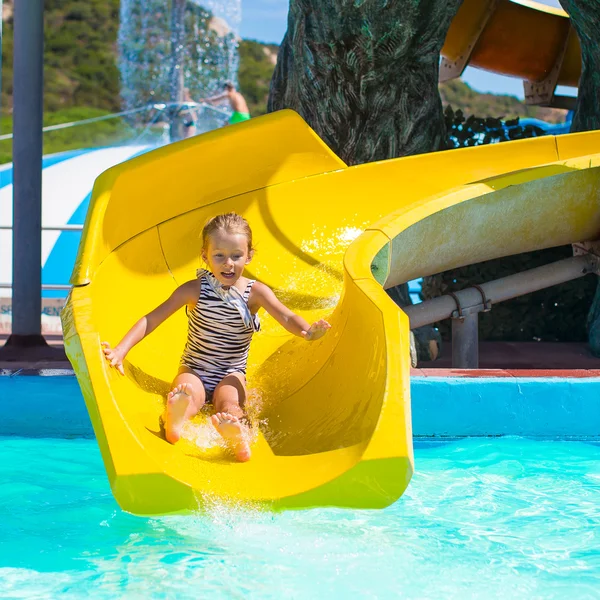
(515, 397)
(497, 359)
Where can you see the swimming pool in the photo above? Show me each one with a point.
(482, 518)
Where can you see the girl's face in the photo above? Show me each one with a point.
(226, 256)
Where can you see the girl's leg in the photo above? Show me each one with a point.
(230, 395)
(229, 399)
(186, 398)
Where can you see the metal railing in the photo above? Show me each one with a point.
(46, 286)
(161, 107)
(8, 136)
(51, 227)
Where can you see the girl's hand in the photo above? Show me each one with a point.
(316, 330)
(114, 356)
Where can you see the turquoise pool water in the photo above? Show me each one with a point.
(482, 518)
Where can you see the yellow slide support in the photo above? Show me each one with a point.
(333, 424)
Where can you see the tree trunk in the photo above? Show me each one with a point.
(585, 17)
(364, 75)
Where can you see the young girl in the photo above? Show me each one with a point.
(221, 306)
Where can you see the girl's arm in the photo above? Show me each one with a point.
(184, 294)
(264, 297)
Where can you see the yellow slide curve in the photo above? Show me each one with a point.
(333, 423)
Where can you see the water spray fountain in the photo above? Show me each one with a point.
(173, 52)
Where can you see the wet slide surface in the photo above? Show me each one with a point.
(332, 418)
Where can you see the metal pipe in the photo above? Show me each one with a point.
(158, 107)
(9, 136)
(27, 170)
(50, 228)
(45, 286)
(465, 342)
(500, 290)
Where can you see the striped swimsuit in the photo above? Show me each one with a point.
(219, 332)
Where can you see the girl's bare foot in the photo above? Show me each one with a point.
(234, 433)
(178, 401)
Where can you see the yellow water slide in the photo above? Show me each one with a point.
(332, 418)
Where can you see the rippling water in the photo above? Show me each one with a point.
(482, 518)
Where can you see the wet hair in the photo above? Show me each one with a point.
(228, 85)
(228, 223)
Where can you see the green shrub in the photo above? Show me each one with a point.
(463, 132)
(255, 72)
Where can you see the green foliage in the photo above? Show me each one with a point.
(461, 96)
(257, 62)
(475, 131)
(79, 55)
(81, 71)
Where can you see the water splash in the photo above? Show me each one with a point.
(327, 243)
(166, 46)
